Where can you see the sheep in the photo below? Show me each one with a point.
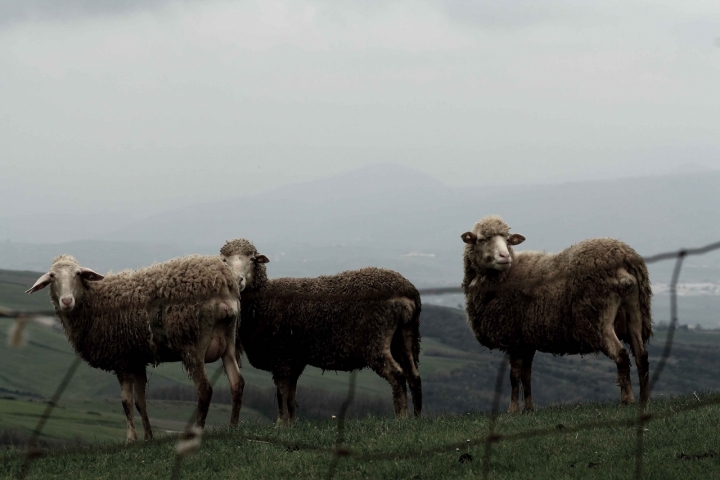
(185, 309)
(585, 299)
(349, 321)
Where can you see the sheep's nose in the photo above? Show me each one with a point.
(67, 301)
(504, 254)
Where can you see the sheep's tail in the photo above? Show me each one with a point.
(415, 324)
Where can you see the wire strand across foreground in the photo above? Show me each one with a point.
(640, 420)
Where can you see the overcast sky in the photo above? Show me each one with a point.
(143, 105)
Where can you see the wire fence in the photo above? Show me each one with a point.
(190, 441)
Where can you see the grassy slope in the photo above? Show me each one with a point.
(249, 452)
(458, 374)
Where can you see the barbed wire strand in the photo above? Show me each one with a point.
(32, 450)
(642, 417)
(339, 450)
(639, 421)
(189, 434)
(491, 437)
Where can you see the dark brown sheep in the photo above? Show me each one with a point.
(585, 299)
(356, 319)
(184, 310)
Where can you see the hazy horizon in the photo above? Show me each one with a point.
(131, 108)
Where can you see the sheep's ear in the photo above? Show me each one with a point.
(88, 274)
(515, 239)
(469, 238)
(41, 283)
(260, 258)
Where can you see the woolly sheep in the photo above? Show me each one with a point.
(184, 310)
(585, 299)
(356, 319)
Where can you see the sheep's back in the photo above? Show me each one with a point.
(330, 322)
(181, 280)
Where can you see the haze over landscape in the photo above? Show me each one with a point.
(338, 135)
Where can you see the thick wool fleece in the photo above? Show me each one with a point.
(550, 302)
(112, 328)
(333, 322)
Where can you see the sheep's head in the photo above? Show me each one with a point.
(489, 244)
(245, 262)
(65, 278)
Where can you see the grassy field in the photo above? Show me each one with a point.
(679, 444)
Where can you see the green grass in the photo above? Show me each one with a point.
(429, 447)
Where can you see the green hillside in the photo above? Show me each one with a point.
(458, 376)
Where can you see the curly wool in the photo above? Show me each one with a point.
(333, 322)
(153, 315)
(238, 246)
(491, 226)
(550, 302)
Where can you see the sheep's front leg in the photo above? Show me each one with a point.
(516, 363)
(291, 402)
(283, 393)
(140, 386)
(525, 376)
(126, 395)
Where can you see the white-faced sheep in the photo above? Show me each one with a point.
(585, 299)
(184, 310)
(356, 319)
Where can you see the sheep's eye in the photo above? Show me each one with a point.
(52, 275)
(224, 260)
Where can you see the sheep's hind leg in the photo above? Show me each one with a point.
(196, 369)
(140, 403)
(126, 395)
(632, 310)
(614, 349)
(516, 363)
(406, 359)
(389, 369)
(525, 377)
(235, 378)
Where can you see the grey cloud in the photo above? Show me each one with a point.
(522, 13)
(19, 11)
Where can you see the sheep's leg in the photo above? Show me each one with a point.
(615, 350)
(235, 378)
(525, 376)
(291, 402)
(140, 380)
(638, 348)
(126, 395)
(516, 363)
(197, 371)
(407, 362)
(389, 369)
(283, 393)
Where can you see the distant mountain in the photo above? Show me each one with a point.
(378, 214)
(391, 206)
